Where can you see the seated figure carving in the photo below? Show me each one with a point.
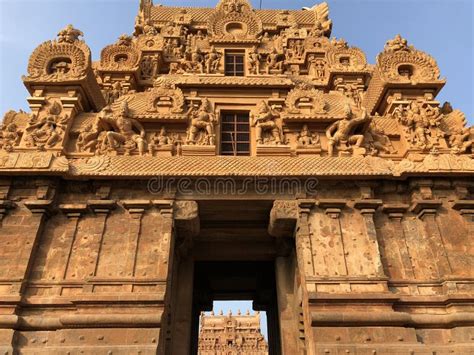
(341, 133)
(308, 140)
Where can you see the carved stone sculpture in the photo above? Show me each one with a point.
(397, 44)
(213, 59)
(10, 136)
(264, 121)
(341, 133)
(119, 131)
(377, 141)
(462, 140)
(48, 130)
(275, 61)
(306, 139)
(69, 34)
(202, 121)
(253, 61)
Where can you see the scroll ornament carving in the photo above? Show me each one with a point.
(202, 122)
(234, 20)
(165, 89)
(66, 58)
(268, 131)
(46, 130)
(312, 98)
(342, 134)
(123, 55)
(112, 132)
(400, 62)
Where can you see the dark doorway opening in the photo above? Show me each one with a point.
(237, 280)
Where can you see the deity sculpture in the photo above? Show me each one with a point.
(149, 29)
(161, 138)
(264, 121)
(203, 120)
(377, 141)
(47, 131)
(120, 130)
(417, 126)
(341, 133)
(10, 136)
(317, 68)
(253, 61)
(462, 140)
(305, 139)
(69, 34)
(275, 61)
(213, 59)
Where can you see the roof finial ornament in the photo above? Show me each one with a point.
(69, 34)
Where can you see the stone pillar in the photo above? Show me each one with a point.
(186, 216)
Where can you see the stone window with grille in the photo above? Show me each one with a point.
(234, 63)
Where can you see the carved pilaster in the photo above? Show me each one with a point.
(367, 208)
(466, 209)
(303, 238)
(396, 241)
(426, 210)
(5, 206)
(283, 217)
(136, 209)
(74, 212)
(101, 209)
(332, 207)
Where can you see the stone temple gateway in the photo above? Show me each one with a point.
(231, 153)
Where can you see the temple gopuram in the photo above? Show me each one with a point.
(231, 335)
(231, 153)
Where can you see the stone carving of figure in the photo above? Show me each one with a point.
(115, 92)
(161, 138)
(87, 139)
(47, 131)
(317, 68)
(253, 61)
(213, 59)
(275, 61)
(149, 29)
(317, 30)
(341, 133)
(397, 44)
(462, 140)
(69, 34)
(377, 141)
(10, 136)
(264, 121)
(203, 119)
(121, 130)
(417, 126)
(305, 139)
(196, 63)
(146, 67)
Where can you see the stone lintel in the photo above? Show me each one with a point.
(102, 206)
(73, 209)
(423, 207)
(186, 215)
(39, 206)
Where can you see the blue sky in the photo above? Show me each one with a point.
(442, 28)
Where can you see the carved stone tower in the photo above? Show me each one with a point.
(233, 153)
